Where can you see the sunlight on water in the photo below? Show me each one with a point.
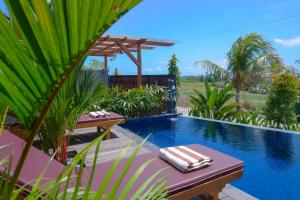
(173, 119)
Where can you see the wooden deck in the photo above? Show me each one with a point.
(121, 138)
(109, 149)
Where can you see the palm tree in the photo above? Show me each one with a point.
(81, 90)
(247, 55)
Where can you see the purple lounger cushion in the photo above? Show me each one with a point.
(177, 180)
(35, 162)
(86, 118)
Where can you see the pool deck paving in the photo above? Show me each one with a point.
(121, 138)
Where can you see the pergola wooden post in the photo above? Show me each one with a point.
(137, 61)
(105, 63)
(108, 45)
(139, 65)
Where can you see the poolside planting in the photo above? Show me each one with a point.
(256, 101)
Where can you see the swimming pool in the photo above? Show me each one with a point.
(272, 158)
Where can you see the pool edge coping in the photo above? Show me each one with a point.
(245, 125)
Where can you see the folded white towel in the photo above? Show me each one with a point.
(93, 114)
(96, 114)
(184, 158)
(106, 113)
(100, 114)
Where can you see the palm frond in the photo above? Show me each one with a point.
(212, 68)
(3, 111)
(51, 39)
(247, 51)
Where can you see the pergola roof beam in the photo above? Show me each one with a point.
(129, 54)
(108, 45)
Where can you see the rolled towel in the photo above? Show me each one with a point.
(106, 113)
(93, 114)
(184, 158)
(100, 114)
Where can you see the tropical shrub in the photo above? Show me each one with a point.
(283, 95)
(42, 42)
(252, 117)
(82, 89)
(214, 103)
(134, 102)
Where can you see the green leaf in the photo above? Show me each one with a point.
(41, 44)
(212, 98)
(3, 111)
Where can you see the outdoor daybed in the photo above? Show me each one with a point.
(206, 182)
(86, 121)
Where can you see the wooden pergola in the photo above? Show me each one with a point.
(109, 46)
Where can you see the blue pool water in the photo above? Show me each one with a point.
(272, 158)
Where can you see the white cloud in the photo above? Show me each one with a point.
(293, 42)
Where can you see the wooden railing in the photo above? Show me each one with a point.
(130, 81)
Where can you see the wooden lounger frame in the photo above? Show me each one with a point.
(208, 190)
(107, 124)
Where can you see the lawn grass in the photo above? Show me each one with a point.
(248, 100)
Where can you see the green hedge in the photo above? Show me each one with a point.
(134, 102)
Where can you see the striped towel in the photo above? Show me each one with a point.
(184, 158)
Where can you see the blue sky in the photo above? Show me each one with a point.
(184, 20)
(193, 24)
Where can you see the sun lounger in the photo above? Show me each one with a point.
(207, 182)
(35, 162)
(106, 122)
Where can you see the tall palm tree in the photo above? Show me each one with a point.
(247, 55)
